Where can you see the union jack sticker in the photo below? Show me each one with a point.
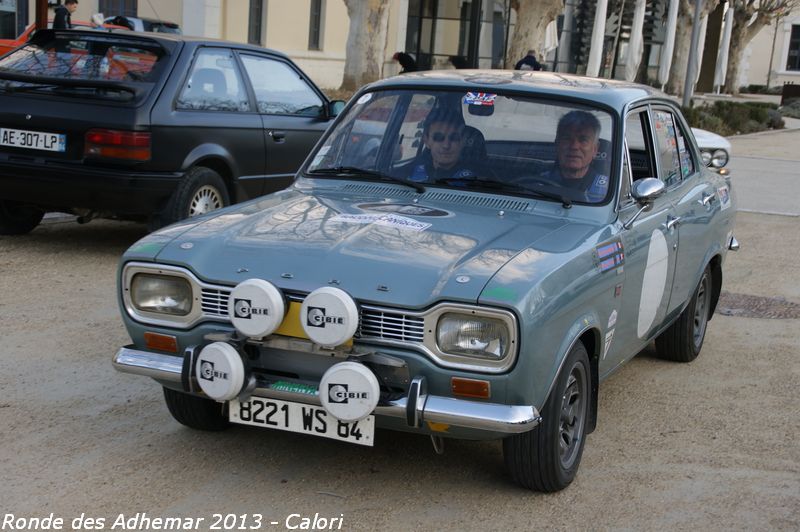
(479, 98)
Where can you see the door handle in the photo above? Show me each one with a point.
(673, 221)
(707, 199)
(278, 136)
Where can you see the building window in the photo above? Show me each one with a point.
(793, 60)
(113, 8)
(315, 25)
(255, 22)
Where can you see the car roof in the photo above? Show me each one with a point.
(172, 38)
(613, 93)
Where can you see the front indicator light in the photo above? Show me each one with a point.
(161, 342)
(163, 294)
(470, 387)
(472, 336)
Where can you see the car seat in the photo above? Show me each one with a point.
(474, 148)
(208, 83)
(602, 160)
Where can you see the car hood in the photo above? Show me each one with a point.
(707, 139)
(409, 254)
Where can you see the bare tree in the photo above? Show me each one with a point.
(533, 16)
(749, 17)
(683, 40)
(366, 42)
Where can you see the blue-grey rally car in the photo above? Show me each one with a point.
(464, 254)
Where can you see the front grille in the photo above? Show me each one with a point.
(377, 323)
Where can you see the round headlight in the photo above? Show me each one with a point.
(719, 158)
(706, 155)
(473, 336)
(164, 294)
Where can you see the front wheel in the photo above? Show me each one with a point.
(196, 412)
(684, 338)
(547, 457)
(18, 218)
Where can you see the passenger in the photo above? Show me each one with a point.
(577, 142)
(443, 137)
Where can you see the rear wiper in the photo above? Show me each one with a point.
(352, 170)
(500, 185)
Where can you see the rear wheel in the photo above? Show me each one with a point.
(196, 412)
(547, 457)
(684, 338)
(201, 190)
(18, 218)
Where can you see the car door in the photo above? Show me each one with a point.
(293, 115)
(649, 245)
(212, 121)
(695, 205)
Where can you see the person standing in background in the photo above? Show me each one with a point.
(63, 18)
(528, 62)
(406, 62)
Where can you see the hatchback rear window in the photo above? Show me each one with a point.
(86, 58)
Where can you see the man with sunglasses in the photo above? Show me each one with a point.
(443, 136)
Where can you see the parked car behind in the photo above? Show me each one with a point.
(714, 149)
(148, 126)
(6, 45)
(466, 254)
(144, 24)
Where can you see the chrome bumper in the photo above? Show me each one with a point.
(417, 407)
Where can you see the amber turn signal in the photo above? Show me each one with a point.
(470, 387)
(161, 342)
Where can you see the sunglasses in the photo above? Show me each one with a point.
(439, 137)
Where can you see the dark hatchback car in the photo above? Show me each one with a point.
(152, 127)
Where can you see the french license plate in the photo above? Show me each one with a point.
(297, 417)
(35, 140)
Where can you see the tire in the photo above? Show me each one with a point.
(200, 191)
(547, 457)
(682, 341)
(18, 218)
(196, 412)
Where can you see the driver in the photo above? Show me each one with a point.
(443, 136)
(577, 142)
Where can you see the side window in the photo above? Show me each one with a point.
(640, 150)
(409, 143)
(214, 84)
(684, 152)
(667, 146)
(279, 88)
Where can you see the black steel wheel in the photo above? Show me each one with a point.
(682, 341)
(196, 412)
(547, 457)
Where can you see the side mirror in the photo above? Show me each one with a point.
(335, 107)
(645, 191)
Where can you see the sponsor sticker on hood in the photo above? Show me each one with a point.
(387, 220)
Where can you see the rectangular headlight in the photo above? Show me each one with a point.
(164, 294)
(473, 336)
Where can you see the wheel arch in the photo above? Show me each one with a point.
(591, 341)
(715, 266)
(217, 158)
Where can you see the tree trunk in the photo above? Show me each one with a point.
(366, 42)
(533, 16)
(683, 43)
(741, 35)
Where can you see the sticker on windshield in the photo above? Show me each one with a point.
(386, 220)
(365, 98)
(480, 98)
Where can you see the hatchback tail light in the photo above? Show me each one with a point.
(130, 145)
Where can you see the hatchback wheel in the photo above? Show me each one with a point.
(202, 190)
(18, 218)
(547, 457)
(684, 338)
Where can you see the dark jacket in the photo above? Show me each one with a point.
(63, 19)
(531, 63)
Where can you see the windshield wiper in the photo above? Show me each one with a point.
(355, 171)
(33, 86)
(500, 185)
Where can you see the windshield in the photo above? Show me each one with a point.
(461, 139)
(87, 58)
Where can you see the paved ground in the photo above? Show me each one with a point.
(711, 445)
